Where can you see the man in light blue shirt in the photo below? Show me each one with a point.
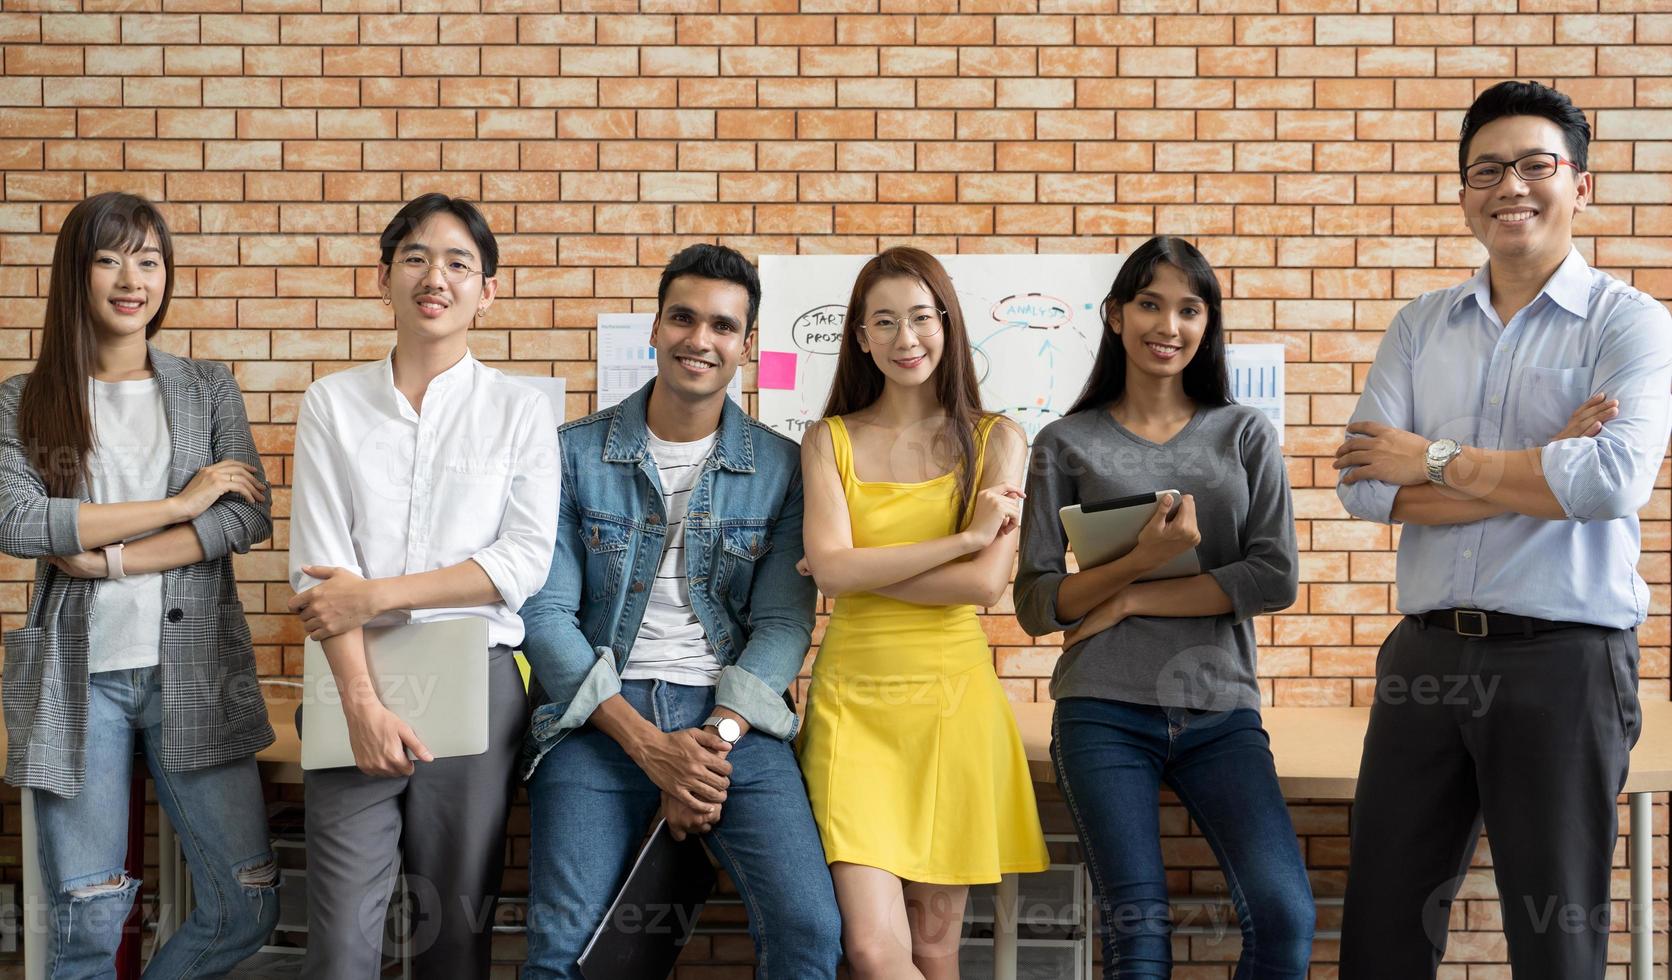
(1514, 424)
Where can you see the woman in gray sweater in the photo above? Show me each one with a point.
(1156, 685)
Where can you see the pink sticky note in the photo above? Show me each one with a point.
(777, 370)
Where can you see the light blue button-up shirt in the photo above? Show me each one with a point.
(1449, 368)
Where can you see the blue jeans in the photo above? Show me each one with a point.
(1112, 758)
(591, 804)
(218, 813)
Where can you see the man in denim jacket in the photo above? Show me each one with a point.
(670, 626)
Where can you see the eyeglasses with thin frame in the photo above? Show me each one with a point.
(925, 321)
(454, 271)
(1533, 166)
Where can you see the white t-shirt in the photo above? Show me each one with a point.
(672, 645)
(129, 461)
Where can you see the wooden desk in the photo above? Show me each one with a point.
(281, 762)
(1317, 752)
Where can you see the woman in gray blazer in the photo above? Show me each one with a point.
(130, 475)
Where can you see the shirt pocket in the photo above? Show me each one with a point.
(742, 546)
(1548, 401)
(606, 541)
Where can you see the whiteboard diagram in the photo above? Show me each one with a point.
(1032, 320)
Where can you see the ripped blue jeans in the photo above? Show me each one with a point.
(221, 820)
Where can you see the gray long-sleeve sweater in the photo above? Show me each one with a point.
(1228, 457)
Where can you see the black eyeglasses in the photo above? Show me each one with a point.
(1533, 166)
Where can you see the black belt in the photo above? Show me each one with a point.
(1473, 622)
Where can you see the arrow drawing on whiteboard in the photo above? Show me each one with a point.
(1006, 352)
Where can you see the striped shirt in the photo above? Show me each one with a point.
(672, 645)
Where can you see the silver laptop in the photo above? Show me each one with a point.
(434, 676)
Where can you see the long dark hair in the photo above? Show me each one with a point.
(54, 419)
(859, 382)
(1205, 379)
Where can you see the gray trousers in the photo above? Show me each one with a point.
(1533, 733)
(443, 827)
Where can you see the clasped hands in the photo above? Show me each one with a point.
(691, 769)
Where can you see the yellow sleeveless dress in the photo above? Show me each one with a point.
(909, 747)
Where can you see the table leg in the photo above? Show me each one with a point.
(1004, 929)
(35, 934)
(1642, 911)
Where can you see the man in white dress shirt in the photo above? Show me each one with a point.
(425, 488)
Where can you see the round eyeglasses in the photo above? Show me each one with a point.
(925, 321)
(454, 271)
(1533, 166)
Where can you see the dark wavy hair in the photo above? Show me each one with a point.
(1205, 378)
(421, 208)
(714, 262)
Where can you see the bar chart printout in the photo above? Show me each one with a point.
(1257, 379)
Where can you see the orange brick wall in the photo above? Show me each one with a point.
(1308, 146)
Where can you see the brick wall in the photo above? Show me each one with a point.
(1307, 145)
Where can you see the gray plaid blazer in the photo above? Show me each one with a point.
(212, 706)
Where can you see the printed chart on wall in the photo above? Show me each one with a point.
(1032, 321)
(1257, 379)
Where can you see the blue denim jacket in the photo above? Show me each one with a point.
(742, 543)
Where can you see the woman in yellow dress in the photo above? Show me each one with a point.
(914, 767)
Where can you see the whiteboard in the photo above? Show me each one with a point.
(1032, 321)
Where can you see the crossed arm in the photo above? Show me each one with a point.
(223, 508)
(928, 572)
(1480, 483)
(1601, 465)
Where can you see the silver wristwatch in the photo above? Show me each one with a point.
(727, 728)
(1441, 452)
